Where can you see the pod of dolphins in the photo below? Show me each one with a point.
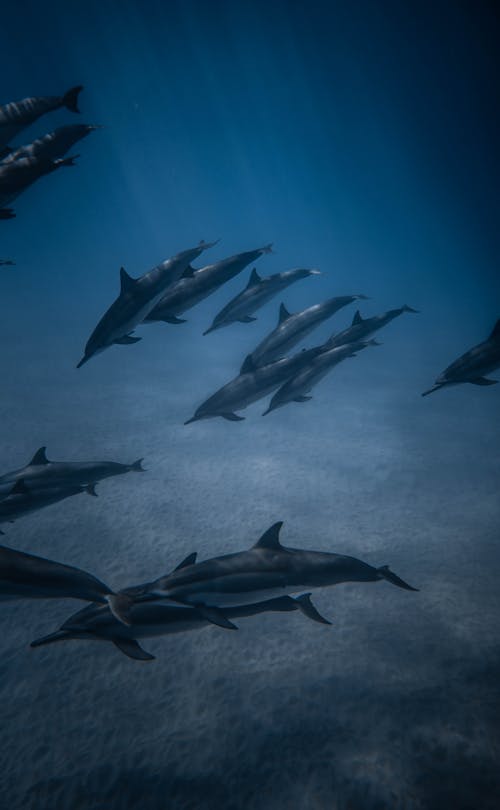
(268, 576)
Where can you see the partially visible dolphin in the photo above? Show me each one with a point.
(472, 366)
(266, 570)
(138, 296)
(19, 175)
(19, 499)
(161, 617)
(362, 327)
(53, 145)
(25, 576)
(298, 387)
(40, 472)
(202, 283)
(4, 262)
(291, 329)
(18, 115)
(251, 386)
(258, 291)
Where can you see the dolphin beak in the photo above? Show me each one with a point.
(210, 329)
(84, 360)
(431, 390)
(193, 419)
(60, 634)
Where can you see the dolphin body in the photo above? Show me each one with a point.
(251, 386)
(4, 262)
(19, 499)
(19, 175)
(298, 387)
(257, 292)
(291, 329)
(363, 327)
(52, 146)
(25, 576)
(138, 296)
(472, 366)
(18, 115)
(265, 571)
(190, 291)
(41, 473)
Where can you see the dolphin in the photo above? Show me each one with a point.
(138, 296)
(203, 282)
(251, 386)
(472, 366)
(19, 175)
(291, 329)
(298, 387)
(362, 327)
(25, 576)
(4, 262)
(19, 499)
(54, 145)
(258, 291)
(265, 571)
(18, 115)
(42, 473)
(161, 617)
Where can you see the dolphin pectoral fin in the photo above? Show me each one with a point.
(302, 399)
(308, 609)
(385, 573)
(172, 319)
(131, 648)
(215, 616)
(70, 98)
(484, 381)
(119, 605)
(247, 319)
(126, 340)
(232, 417)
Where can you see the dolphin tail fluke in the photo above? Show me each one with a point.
(137, 466)
(308, 609)
(406, 308)
(7, 213)
(120, 605)
(60, 635)
(385, 573)
(69, 161)
(70, 99)
(132, 649)
(267, 248)
(206, 245)
(431, 390)
(90, 490)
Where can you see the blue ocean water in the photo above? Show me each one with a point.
(361, 140)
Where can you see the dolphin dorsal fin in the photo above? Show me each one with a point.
(271, 538)
(254, 279)
(189, 560)
(495, 335)
(284, 314)
(357, 318)
(19, 488)
(39, 457)
(127, 283)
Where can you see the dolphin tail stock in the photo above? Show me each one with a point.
(90, 490)
(137, 466)
(385, 573)
(120, 605)
(59, 635)
(406, 308)
(70, 98)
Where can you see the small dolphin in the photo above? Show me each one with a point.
(19, 499)
(25, 576)
(291, 329)
(298, 387)
(266, 570)
(52, 146)
(19, 175)
(4, 262)
(161, 618)
(40, 472)
(18, 115)
(258, 291)
(251, 386)
(138, 296)
(202, 283)
(362, 327)
(472, 366)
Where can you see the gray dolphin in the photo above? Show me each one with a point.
(161, 617)
(266, 570)
(258, 291)
(291, 329)
(25, 576)
(42, 473)
(138, 296)
(4, 262)
(20, 499)
(362, 327)
(18, 115)
(190, 291)
(53, 145)
(472, 366)
(19, 175)
(297, 388)
(251, 386)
